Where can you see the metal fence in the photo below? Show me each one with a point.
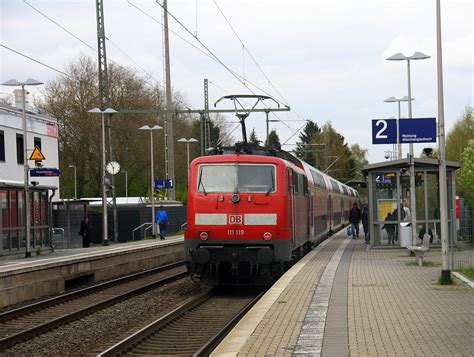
(462, 254)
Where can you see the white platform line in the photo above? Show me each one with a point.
(236, 339)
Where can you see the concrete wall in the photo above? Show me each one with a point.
(128, 219)
(44, 278)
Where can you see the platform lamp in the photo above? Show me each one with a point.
(401, 57)
(26, 167)
(151, 128)
(73, 166)
(187, 141)
(104, 173)
(395, 100)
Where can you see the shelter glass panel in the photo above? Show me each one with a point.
(384, 207)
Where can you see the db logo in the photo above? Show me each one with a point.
(235, 219)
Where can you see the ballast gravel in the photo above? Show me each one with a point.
(97, 332)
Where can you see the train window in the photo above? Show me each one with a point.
(296, 188)
(216, 178)
(318, 179)
(237, 178)
(305, 185)
(335, 186)
(256, 178)
(346, 192)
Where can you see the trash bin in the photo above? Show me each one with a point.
(405, 234)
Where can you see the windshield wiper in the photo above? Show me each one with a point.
(273, 184)
(200, 184)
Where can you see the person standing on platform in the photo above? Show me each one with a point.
(354, 219)
(85, 232)
(406, 209)
(163, 221)
(365, 222)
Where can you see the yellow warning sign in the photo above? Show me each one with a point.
(37, 155)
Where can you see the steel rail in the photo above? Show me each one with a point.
(141, 335)
(63, 320)
(28, 309)
(210, 345)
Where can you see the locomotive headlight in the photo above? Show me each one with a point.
(203, 235)
(267, 236)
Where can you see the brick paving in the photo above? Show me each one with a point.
(394, 308)
(397, 308)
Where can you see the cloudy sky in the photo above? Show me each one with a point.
(325, 59)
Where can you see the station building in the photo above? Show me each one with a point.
(42, 131)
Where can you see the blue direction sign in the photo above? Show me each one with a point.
(384, 131)
(44, 172)
(159, 184)
(418, 130)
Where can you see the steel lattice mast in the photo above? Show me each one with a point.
(104, 96)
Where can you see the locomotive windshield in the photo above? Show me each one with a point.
(236, 178)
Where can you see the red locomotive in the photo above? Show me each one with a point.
(252, 213)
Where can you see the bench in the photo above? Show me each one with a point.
(420, 250)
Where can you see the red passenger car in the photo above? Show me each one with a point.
(250, 216)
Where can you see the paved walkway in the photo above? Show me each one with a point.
(340, 300)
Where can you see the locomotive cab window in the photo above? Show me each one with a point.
(237, 178)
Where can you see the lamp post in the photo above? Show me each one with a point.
(104, 183)
(151, 128)
(443, 201)
(401, 57)
(73, 166)
(183, 140)
(126, 183)
(395, 100)
(26, 167)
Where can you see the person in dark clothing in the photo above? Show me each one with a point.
(85, 232)
(354, 219)
(365, 222)
(162, 220)
(390, 228)
(423, 232)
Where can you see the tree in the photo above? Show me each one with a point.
(308, 136)
(466, 175)
(274, 140)
(337, 158)
(359, 156)
(253, 139)
(70, 98)
(458, 137)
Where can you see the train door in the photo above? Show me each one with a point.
(329, 221)
(291, 204)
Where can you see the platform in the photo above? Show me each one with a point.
(341, 300)
(24, 279)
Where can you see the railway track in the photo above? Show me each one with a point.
(193, 329)
(21, 324)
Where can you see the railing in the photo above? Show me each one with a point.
(149, 225)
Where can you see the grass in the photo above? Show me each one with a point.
(467, 272)
(426, 263)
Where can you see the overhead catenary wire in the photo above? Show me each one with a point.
(245, 48)
(239, 78)
(39, 62)
(42, 13)
(149, 75)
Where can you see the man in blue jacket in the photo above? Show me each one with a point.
(162, 219)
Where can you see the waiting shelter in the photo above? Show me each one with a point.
(388, 185)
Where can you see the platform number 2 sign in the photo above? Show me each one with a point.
(384, 131)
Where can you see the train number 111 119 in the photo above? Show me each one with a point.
(235, 232)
